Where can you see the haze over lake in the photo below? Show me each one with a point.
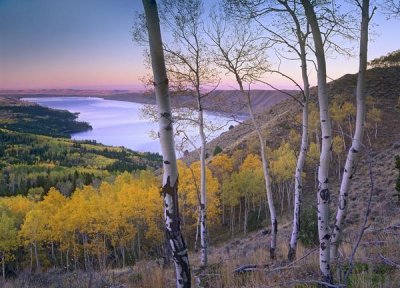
(116, 123)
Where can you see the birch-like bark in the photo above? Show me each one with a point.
(323, 193)
(355, 148)
(298, 186)
(203, 198)
(267, 179)
(170, 174)
(298, 189)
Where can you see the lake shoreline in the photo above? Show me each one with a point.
(227, 102)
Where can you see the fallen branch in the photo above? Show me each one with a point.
(253, 267)
(389, 262)
(247, 268)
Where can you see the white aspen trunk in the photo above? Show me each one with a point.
(271, 206)
(350, 126)
(323, 193)
(36, 257)
(197, 230)
(123, 256)
(352, 155)
(170, 174)
(342, 133)
(298, 184)
(203, 198)
(298, 181)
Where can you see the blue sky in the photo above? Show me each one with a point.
(88, 44)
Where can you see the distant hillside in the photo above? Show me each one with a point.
(31, 118)
(383, 85)
(228, 101)
(29, 161)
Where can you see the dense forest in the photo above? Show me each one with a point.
(28, 118)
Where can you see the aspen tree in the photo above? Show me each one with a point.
(356, 145)
(323, 193)
(170, 174)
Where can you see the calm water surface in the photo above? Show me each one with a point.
(116, 123)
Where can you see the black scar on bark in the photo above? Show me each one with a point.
(202, 206)
(275, 224)
(326, 181)
(323, 246)
(327, 137)
(166, 81)
(165, 115)
(179, 257)
(173, 192)
(326, 237)
(342, 203)
(354, 150)
(167, 162)
(324, 194)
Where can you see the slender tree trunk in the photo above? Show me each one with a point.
(61, 259)
(67, 260)
(170, 172)
(203, 196)
(36, 257)
(298, 184)
(323, 193)
(271, 206)
(350, 126)
(245, 217)
(53, 255)
(342, 133)
(31, 262)
(232, 221)
(197, 231)
(240, 213)
(352, 155)
(123, 256)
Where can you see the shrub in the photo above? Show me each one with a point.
(308, 234)
(217, 150)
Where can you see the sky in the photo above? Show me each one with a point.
(87, 44)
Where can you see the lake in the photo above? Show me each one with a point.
(115, 123)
